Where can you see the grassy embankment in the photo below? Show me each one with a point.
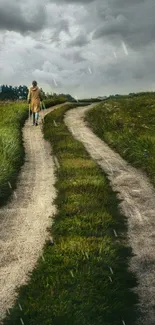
(83, 278)
(128, 125)
(12, 118)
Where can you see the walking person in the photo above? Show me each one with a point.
(34, 98)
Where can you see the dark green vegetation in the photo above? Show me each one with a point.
(128, 125)
(90, 100)
(13, 93)
(72, 284)
(10, 93)
(54, 101)
(12, 119)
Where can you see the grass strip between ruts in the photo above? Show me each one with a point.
(83, 278)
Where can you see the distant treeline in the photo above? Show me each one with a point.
(20, 93)
(143, 93)
(90, 100)
(10, 93)
(13, 93)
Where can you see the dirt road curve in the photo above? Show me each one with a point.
(23, 222)
(138, 205)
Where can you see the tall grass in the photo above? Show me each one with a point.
(12, 117)
(83, 278)
(128, 125)
(54, 101)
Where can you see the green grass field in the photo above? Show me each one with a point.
(128, 125)
(12, 119)
(83, 278)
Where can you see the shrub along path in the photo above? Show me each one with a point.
(23, 221)
(138, 205)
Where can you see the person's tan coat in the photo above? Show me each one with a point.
(34, 96)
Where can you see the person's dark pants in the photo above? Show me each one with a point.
(33, 118)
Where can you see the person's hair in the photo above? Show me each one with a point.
(34, 83)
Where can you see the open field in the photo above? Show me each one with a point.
(83, 278)
(137, 196)
(127, 124)
(12, 119)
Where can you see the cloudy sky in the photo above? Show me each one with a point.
(86, 48)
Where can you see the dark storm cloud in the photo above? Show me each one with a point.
(112, 26)
(89, 47)
(132, 21)
(72, 1)
(80, 40)
(12, 18)
(58, 27)
(74, 57)
(39, 46)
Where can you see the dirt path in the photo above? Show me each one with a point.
(24, 220)
(138, 205)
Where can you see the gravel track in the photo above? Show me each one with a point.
(137, 197)
(24, 220)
